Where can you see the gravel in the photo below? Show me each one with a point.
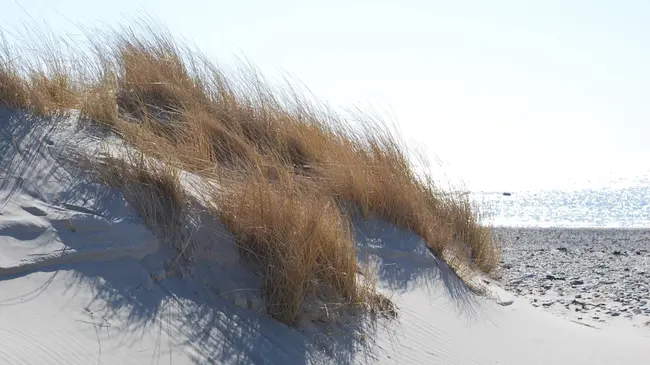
(602, 274)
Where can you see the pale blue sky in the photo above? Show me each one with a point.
(510, 94)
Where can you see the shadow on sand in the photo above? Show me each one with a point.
(181, 311)
(404, 262)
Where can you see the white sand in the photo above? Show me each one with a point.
(82, 281)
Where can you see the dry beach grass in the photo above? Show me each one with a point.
(286, 169)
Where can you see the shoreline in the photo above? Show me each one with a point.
(569, 228)
(494, 226)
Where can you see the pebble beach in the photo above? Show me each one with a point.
(594, 276)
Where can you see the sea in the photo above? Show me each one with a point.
(614, 203)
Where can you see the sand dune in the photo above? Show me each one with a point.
(83, 281)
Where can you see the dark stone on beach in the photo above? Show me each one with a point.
(563, 249)
(550, 277)
(582, 304)
(615, 314)
(577, 282)
(507, 194)
(617, 253)
(578, 296)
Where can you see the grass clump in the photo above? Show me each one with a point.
(14, 91)
(281, 166)
(300, 241)
(152, 187)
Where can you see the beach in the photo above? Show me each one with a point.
(82, 280)
(155, 209)
(595, 276)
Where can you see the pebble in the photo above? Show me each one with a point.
(605, 269)
(507, 302)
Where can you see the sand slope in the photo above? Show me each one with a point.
(442, 322)
(82, 281)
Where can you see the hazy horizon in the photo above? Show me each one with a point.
(510, 95)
